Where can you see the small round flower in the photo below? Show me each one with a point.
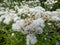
(55, 18)
(25, 9)
(16, 27)
(49, 23)
(54, 13)
(20, 11)
(38, 22)
(12, 34)
(16, 18)
(33, 39)
(7, 21)
(21, 22)
(39, 30)
(45, 38)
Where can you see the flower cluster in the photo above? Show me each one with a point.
(50, 3)
(28, 20)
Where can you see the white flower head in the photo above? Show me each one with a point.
(38, 22)
(55, 18)
(49, 23)
(21, 22)
(16, 18)
(50, 2)
(31, 38)
(39, 30)
(7, 21)
(25, 9)
(12, 34)
(16, 27)
(1, 18)
(54, 13)
(20, 11)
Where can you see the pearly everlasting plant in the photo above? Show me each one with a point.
(29, 20)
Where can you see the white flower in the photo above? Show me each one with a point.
(27, 29)
(21, 22)
(12, 11)
(49, 24)
(55, 18)
(7, 21)
(16, 27)
(1, 18)
(12, 34)
(46, 15)
(25, 9)
(16, 18)
(37, 11)
(54, 13)
(31, 38)
(28, 14)
(50, 2)
(38, 22)
(58, 10)
(9, 17)
(27, 40)
(39, 8)
(32, 10)
(39, 30)
(45, 38)
(38, 14)
(20, 11)
(2, 12)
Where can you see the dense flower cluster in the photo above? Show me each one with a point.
(28, 20)
(50, 3)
